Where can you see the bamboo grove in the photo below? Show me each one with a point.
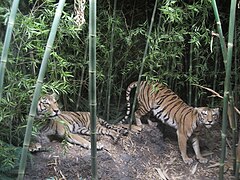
(185, 46)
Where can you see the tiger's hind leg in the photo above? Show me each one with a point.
(142, 111)
(101, 130)
(134, 128)
(138, 116)
(85, 131)
(77, 139)
(152, 124)
(118, 128)
(109, 132)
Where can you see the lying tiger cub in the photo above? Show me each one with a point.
(170, 109)
(70, 125)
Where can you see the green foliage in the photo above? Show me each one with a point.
(29, 40)
(171, 40)
(9, 158)
(177, 25)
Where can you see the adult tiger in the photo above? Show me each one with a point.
(172, 110)
(70, 125)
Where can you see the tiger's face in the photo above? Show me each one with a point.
(47, 106)
(208, 116)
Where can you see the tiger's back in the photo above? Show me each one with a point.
(172, 110)
(79, 122)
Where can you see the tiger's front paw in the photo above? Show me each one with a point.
(188, 160)
(134, 128)
(116, 139)
(124, 132)
(202, 160)
(35, 147)
(152, 124)
(99, 146)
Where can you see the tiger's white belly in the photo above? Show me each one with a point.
(164, 117)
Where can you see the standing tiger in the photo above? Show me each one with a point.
(172, 110)
(70, 125)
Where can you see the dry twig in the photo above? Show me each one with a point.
(215, 95)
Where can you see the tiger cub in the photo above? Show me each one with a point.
(70, 125)
(170, 109)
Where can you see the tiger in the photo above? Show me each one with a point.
(71, 125)
(166, 106)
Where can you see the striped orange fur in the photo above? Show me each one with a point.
(169, 108)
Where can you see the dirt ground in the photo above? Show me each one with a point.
(147, 155)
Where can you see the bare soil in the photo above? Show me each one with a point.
(146, 155)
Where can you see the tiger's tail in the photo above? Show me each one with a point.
(128, 93)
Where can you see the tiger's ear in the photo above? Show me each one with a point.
(199, 109)
(217, 110)
(31, 97)
(55, 96)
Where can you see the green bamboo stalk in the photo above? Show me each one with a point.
(142, 65)
(169, 66)
(132, 18)
(190, 74)
(109, 82)
(92, 84)
(227, 84)
(6, 44)
(233, 124)
(38, 88)
(196, 89)
(80, 89)
(237, 169)
(236, 98)
(172, 69)
(215, 75)
(219, 28)
(82, 76)
(190, 66)
(238, 159)
(236, 73)
(120, 95)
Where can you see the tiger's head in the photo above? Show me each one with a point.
(47, 106)
(207, 116)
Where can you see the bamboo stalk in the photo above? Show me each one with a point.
(38, 88)
(143, 62)
(190, 74)
(219, 28)
(80, 90)
(215, 75)
(233, 124)
(196, 89)
(169, 66)
(191, 65)
(120, 95)
(92, 84)
(227, 84)
(109, 82)
(6, 44)
(236, 62)
(238, 160)
(235, 97)
(82, 76)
